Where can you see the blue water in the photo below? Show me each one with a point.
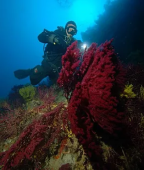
(22, 21)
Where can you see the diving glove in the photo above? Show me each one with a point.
(60, 41)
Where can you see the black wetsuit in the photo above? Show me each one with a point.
(53, 52)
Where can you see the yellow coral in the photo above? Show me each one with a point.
(27, 92)
(69, 132)
(107, 151)
(128, 92)
(142, 92)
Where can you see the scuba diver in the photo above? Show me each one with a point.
(57, 42)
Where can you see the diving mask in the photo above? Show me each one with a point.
(71, 30)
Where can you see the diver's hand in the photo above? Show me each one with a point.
(60, 41)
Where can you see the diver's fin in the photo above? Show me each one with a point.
(21, 74)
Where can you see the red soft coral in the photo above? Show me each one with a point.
(35, 140)
(95, 98)
(98, 89)
(70, 62)
(98, 83)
